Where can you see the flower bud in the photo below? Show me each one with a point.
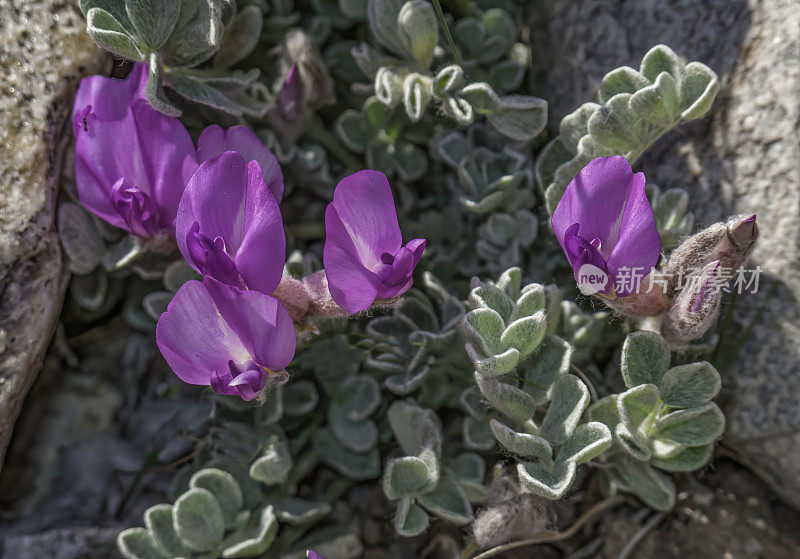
(418, 30)
(696, 306)
(729, 242)
(299, 48)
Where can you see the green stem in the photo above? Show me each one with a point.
(446, 29)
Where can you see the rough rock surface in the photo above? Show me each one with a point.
(743, 157)
(44, 52)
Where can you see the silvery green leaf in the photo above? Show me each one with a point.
(506, 75)
(550, 159)
(492, 297)
(652, 487)
(546, 367)
(458, 109)
(410, 161)
(418, 30)
(636, 404)
(240, 37)
(552, 308)
(115, 7)
(359, 397)
(689, 459)
(416, 95)
(225, 490)
(484, 328)
(657, 103)
(645, 358)
(273, 467)
(410, 520)
(510, 281)
(178, 273)
(354, 9)
(614, 124)
(481, 98)
(690, 385)
(295, 511)
(525, 334)
(573, 127)
(257, 540)
(698, 91)
(605, 411)
(382, 18)
(199, 92)
(158, 520)
(635, 445)
(352, 465)
(494, 365)
(388, 86)
(198, 519)
(659, 59)
(531, 301)
(197, 34)
(621, 80)
(80, 238)
(300, 397)
(137, 543)
(358, 436)
(476, 434)
(154, 90)
(469, 466)
(693, 426)
(447, 81)
(449, 502)
(155, 303)
(550, 485)
(154, 20)
(453, 148)
(111, 35)
(407, 381)
(586, 442)
(519, 117)
(352, 130)
(415, 428)
(530, 447)
(568, 399)
(408, 476)
(511, 401)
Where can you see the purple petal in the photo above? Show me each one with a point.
(109, 98)
(214, 334)
(260, 321)
(314, 555)
(289, 96)
(364, 203)
(193, 338)
(150, 151)
(352, 285)
(639, 244)
(211, 258)
(214, 140)
(228, 199)
(595, 199)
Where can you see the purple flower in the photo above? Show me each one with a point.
(232, 340)
(108, 98)
(364, 256)
(314, 555)
(229, 224)
(131, 163)
(604, 219)
(214, 140)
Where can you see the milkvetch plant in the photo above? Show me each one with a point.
(362, 239)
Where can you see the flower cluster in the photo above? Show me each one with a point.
(139, 170)
(605, 225)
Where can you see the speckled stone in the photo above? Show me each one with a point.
(45, 51)
(743, 157)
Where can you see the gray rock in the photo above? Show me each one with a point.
(65, 543)
(743, 157)
(45, 52)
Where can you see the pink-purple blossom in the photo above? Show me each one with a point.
(364, 256)
(220, 336)
(109, 98)
(605, 219)
(132, 171)
(229, 225)
(314, 555)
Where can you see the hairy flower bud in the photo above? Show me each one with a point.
(419, 30)
(696, 307)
